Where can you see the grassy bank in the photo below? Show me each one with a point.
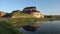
(5, 28)
(8, 25)
(19, 22)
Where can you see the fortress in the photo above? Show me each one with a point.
(32, 12)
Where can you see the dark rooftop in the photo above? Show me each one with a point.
(29, 7)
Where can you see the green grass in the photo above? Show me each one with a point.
(6, 24)
(5, 28)
(21, 21)
(20, 14)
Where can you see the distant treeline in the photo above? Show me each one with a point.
(56, 17)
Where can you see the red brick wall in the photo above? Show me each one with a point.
(2, 14)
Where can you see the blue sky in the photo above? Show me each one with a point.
(46, 7)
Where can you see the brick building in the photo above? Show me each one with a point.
(2, 14)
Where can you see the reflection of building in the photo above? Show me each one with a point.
(2, 14)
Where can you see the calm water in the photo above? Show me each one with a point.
(47, 27)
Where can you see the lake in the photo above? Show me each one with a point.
(46, 27)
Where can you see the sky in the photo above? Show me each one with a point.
(46, 7)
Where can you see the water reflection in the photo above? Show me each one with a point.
(29, 28)
(37, 23)
(48, 27)
(32, 27)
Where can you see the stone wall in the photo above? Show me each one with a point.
(37, 15)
